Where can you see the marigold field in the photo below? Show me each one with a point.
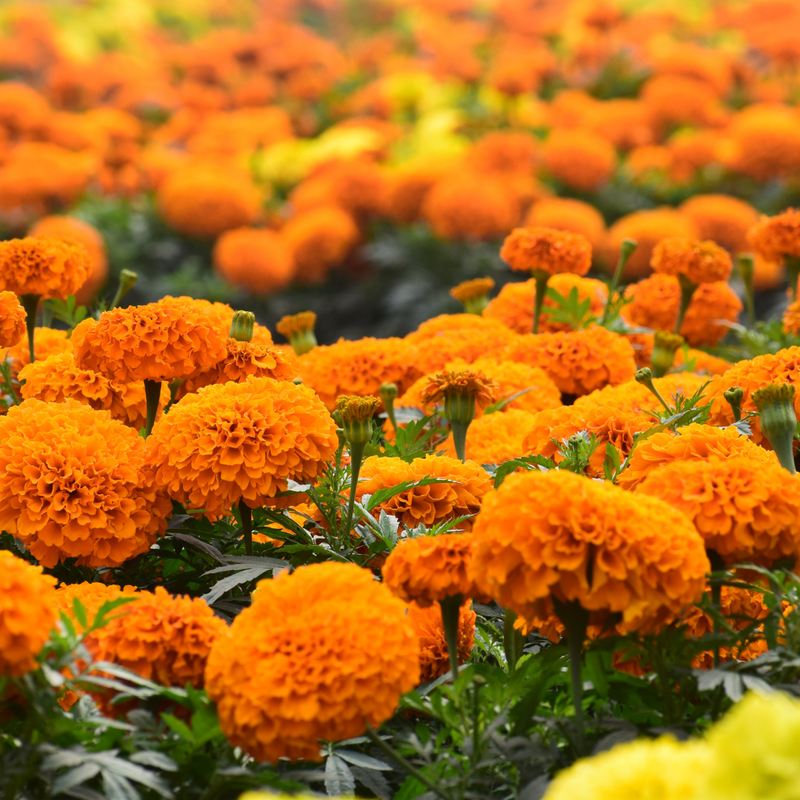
(399, 399)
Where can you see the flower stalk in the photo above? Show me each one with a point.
(645, 377)
(30, 302)
(665, 345)
(127, 280)
(152, 394)
(388, 393)
(451, 610)
(247, 526)
(734, 397)
(541, 278)
(626, 250)
(746, 266)
(299, 330)
(688, 288)
(793, 270)
(575, 619)
(775, 405)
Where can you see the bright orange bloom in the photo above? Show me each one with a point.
(699, 262)
(159, 342)
(566, 214)
(27, 613)
(692, 443)
(433, 657)
(92, 596)
(466, 344)
(12, 320)
(745, 510)
(579, 158)
(722, 219)
(778, 236)
(257, 260)
(43, 266)
(241, 441)
(407, 186)
(466, 382)
(75, 483)
(283, 677)
(46, 341)
(766, 142)
(791, 319)
(632, 396)
(541, 535)
(495, 438)
(57, 378)
(547, 250)
(448, 323)
(220, 316)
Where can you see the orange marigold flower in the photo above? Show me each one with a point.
(75, 483)
(773, 238)
(791, 318)
(12, 320)
(547, 250)
(46, 341)
(158, 342)
(91, 596)
(63, 227)
(447, 323)
(43, 266)
(766, 142)
(681, 100)
(566, 214)
(220, 316)
(694, 442)
(504, 151)
(427, 569)
(464, 382)
(283, 676)
(513, 306)
(541, 535)
(27, 613)
(701, 363)
(474, 294)
(699, 262)
(655, 302)
(357, 367)
(578, 361)
(259, 261)
(408, 185)
(241, 441)
(429, 629)
(57, 378)
(426, 505)
(579, 158)
(495, 438)
(745, 510)
(721, 219)
(466, 345)
(632, 396)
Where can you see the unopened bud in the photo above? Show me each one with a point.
(356, 414)
(665, 345)
(775, 404)
(242, 326)
(734, 397)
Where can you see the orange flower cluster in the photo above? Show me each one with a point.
(429, 629)
(43, 266)
(75, 483)
(547, 250)
(494, 438)
(467, 344)
(91, 596)
(632, 396)
(12, 320)
(773, 238)
(700, 262)
(46, 341)
(282, 677)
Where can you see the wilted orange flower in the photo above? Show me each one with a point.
(27, 614)
(579, 158)
(694, 442)
(721, 218)
(566, 214)
(513, 306)
(12, 320)
(75, 483)
(655, 302)
(57, 378)
(466, 382)
(547, 250)
(319, 240)
(699, 262)
(426, 505)
(778, 236)
(257, 260)
(357, 367)
(427, 569)
(283, 676)
(429, 629)
(541, 535)
(745, 510)
(578, 361)
(241, 441)
(495, 438)
(46, 341)
(43, 266)
(158, 342)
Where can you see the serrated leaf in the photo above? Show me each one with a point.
(374, 781)
(75, 777)
(361, 760)
(118, 788)
(178, 726)
(339, 779)
(152, 758)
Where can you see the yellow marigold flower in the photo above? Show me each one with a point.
(241, 441)
(773, 238)
(12, 320)
(46, 341)
(566, 214)
(426, 505)
(474, 294)
(357, 367)
(547, 250)
(540, 535)
(43, 266)
(579, 158)
(694, 442)
(513, 305)
(27, 613)
(427, 569)
(655, 302)
(158, 342)
(57, 378)
(427, 624)
(699, 262)
(578, 361)
(254, 259)
(746, 510)
(75, 483)
(495, 438)
(721, 218)
(283, 676)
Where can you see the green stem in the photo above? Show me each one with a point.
(451, 609)
(247, 526)
(688, 289)
(356, 457)
(30, 302)
(625, 252)
(575, 619)
(541, 279)
(513, 641)
(746, 267)
(717, 565)
(661, 670)
(460, 438)
(152, 393)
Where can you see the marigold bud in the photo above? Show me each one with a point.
(243, 326)
(734, 396)
(775, 405)
(388, 393)
(665, 345)
(127, 280)
(299, 330)
(474, 294)
(356, 414)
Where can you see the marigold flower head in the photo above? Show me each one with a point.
(541, 535)
(12, 320)
(773, 238)
(766, 142)
(632, 396)
(283, 676)
(158, 342)
(57, 378)
(447, 323)
(579, 158)
(513, 306)
(791, 319)
(578, 361)
(699, 262)
(464, 382)
(681, 100)
(745, 510)
(356, 409)
(43, 266)
(46, 341)
(27, 613)
(504, 151)
(564, 213)
(241, 441)
(427, 569)
(408, 185)
(428, 626)
(495, 438)
(694, 442)
(474, 294)
(655, 302)
(721, 219)
(75, 483)
(220, 315)
(547, 250)
(91, 596)
(253, 259)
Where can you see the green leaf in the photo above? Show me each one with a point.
(179, 727)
